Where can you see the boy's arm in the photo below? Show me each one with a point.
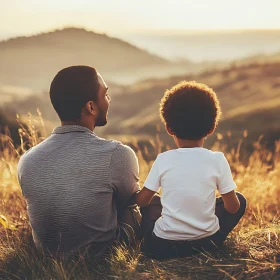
(151, 186)
(231, 202)
(143, 197)
(227, 186)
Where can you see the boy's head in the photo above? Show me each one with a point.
(190, 110)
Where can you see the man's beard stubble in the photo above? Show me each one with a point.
(101, 120)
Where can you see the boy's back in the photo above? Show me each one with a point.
(189, 178)
(192, 218)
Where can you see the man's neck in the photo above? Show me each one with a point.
(80, 123)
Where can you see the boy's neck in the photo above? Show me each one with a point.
(183, 143)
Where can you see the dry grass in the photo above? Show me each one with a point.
(252, 251)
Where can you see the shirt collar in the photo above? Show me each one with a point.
(71, 128)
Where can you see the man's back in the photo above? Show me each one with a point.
(73, 183)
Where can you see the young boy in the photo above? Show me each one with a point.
(192, 219)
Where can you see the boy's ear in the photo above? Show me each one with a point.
(211, 132)
(169, 131)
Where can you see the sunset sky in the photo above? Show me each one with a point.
(24, 17)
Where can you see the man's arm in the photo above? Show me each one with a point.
(124, 174)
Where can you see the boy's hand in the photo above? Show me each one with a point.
(143, 197)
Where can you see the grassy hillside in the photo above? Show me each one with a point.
(252, 250)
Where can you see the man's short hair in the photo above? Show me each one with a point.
(191, 110)
(71, 89)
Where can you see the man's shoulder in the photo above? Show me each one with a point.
(122, 150)
(111, 144)
(117, 149)
(42, 146)
(23, 157)
(30, 154)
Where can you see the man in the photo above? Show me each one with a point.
(75, 183)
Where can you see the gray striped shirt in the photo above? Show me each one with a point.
(73, 183)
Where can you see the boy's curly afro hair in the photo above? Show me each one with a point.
(191, 110)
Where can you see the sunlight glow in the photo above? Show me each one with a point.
(30, 16)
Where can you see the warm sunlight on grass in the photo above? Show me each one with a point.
(251, 252)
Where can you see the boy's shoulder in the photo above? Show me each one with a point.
(215, 155)
(175, 151)
(166, 154)
(218, 154)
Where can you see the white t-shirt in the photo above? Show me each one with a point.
(189, 178)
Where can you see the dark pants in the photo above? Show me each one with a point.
(159, 248)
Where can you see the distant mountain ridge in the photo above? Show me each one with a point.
(31, 62)
(208, 45)
(248, 89)
(80, 33)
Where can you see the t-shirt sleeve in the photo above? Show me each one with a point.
(225, 182)
(124, 173)
(153, 180)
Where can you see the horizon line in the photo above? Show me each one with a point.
(138, 31)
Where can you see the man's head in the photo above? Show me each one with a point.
(79, 94)
(190, 110)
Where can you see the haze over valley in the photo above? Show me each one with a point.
(199, 46)
(248, 88)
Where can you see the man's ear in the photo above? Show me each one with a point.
(90, 107)
(169, 131)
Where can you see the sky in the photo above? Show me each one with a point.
(26, 17)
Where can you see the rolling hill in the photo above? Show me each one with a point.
(31, 62)
(249, 95)
(241, 90)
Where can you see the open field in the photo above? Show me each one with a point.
(252, 251)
